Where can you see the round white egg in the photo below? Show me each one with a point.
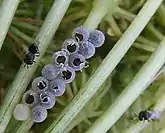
(21, 112)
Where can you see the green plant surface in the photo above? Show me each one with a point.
(104, 69)
(6, 17)
(131, 42)
(23, 76)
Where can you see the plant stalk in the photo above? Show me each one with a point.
(107, 66)
(7, 11)
(140, 82)
(24, 75)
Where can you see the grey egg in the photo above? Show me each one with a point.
(40, 84)
(80, 34)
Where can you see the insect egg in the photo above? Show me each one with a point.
(50, 72)
(70, 45)
(21, 112)
(47, 100)
(57, 87)
(30, 98)
(77, 62)
(67, 75)
(80, 34)
(97, 38)
(60, 59)
(39, 113)
(40, 84)
(87, 49)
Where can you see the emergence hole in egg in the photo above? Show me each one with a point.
(55, 88)
(77, 62)
(66, 74)
(71, 48)
(42, 85)
(45, 100)
(79, 37)
(61, 59)
(29, 99)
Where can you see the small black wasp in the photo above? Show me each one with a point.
(148, 115)
(33, 48)
(33, 51)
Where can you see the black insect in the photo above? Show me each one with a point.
(29, 59)
(33, 48)
(33, 51)
(149, 115)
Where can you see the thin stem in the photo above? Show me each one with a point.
(161, 13)
(21, 34)
(130, 16)
(25, 126)
(144, 47)
(28, 20)
(61, 102)
(140, 82)
(155, 31)
(124, 13)
(142, 39)
(83, 78)
(69, 92)
(24, 12)
(137, 5)
(24, 75)
(99, 10)
(162, 131)
(106, 68)
(114, 26)
(74, 87)
(25, 25)
(7, 11)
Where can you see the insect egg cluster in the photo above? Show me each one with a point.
(54, 77)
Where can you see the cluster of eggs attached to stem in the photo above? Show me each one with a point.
(54, 77)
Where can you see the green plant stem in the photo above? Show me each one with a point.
(144, 47)
(21, 34)
(127, 15)
(144, 40)
(162, 131)
(137, 5)
(89, 111)
(139, 126)
(24, 12)
(7, 11)
(24, 75)
(140, 82)
(130, 16)
(107, 66)
(161, 13)
(143, 78)
(155, 31)
(25, 25)
(25, 126)
(99, 10)
(114, 25)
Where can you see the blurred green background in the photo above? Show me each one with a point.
(26, 24)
